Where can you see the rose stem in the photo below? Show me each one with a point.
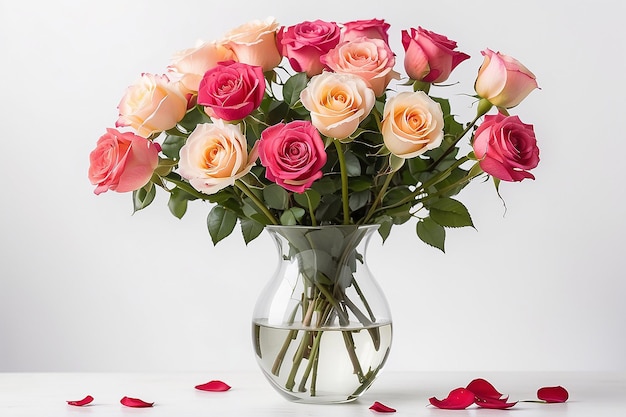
(344, 181)
(244, 188)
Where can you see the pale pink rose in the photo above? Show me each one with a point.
(503, 80)
(372, 28)
(412, 124)
(231, 90)
(338, 103)
(429, 57)
(122, 162)
(506, 147)
(254, 43)
(151, 105)
(293, 154)
(189, 65)
(304, 44)
(370, 59)
(214, 156)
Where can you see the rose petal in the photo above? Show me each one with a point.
(82, 402)
(216, 386)
(496, 403)
(458, 399)
(135, 402)
(382, 408)
(556, 394)
(483, 389)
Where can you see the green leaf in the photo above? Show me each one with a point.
(143, 197)
(194, 117)
(358, 200)
(431, 233)
(309, 197)
(353, 166)
(449, 212)
(171, 146)
(292, 216)
(250, 229)
(293, 86)
(178, 202)
(276, 197)
(386, 223)
(221, 223)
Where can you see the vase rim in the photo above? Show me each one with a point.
(324, 226)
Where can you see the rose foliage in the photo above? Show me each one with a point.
(311, 124)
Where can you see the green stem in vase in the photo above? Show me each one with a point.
(351, 348)
(312, 365)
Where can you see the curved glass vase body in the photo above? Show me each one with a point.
(322, 326)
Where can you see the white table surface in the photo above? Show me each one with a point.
(174, 395)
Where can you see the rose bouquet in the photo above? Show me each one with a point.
(312, 125)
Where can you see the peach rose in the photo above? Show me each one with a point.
(412, 124)
(370, 59)
(122, 162)
(337, 102)
(254, 43)
(189, 65)
(151, 105)
(503, 80)
(214, 156)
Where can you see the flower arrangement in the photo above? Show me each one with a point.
(311, 124)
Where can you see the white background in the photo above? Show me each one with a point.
(86, 286)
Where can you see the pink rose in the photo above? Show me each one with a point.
(214, 156)
(372, 28)
(503, 80)
(304, 44)
(293, 154)
(151, 105)
(122, 162)
(429, 57)
(191, 64)
(338, 103)
(254, 43)
(370, 59)
(506, 147)
(231, 90)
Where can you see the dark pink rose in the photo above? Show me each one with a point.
(293, 154)
(506, 147)
(429, 57)
(304, 43)
(372, 28)
(231, 90)
(122, 162)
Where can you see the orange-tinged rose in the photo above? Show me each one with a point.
(254, 43)
(412, 124)
(191, 64)
(151, 105)
(338, 103)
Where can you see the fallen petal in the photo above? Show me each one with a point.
(483, 389)
(135, 402)
(82, 402)
(495, 403)
(217, 386)
(458, 399)
(556, 394)
(382, 408)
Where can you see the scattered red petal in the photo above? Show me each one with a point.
(382, 408)
(82, 402)
(496, 403)
(458, 399)
(483, 390)
(216, 386)
(556, 394)
(135, 402)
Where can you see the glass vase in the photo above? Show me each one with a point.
(321, 327)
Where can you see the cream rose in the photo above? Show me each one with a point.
(151, 105)
(254, 43)
(189, 65)
(338, 103)
(412, 124)
(370, 59)
(214, 156)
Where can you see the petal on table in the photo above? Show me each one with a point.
(135, 402)
(382, 408)
(88, 399)
(556, 394)
(458, 399)
(217, 386)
